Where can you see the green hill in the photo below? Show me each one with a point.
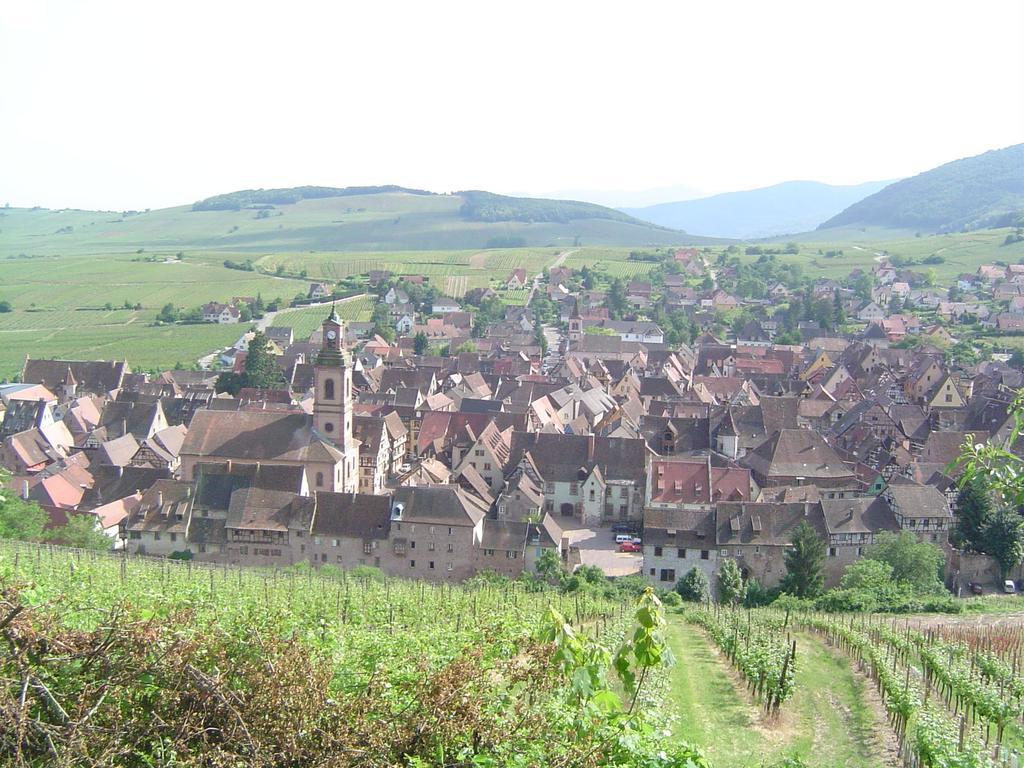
(332, 219)
(973, 193)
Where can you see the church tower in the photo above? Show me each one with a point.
(332, 401)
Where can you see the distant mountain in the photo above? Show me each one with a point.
(387, 218)
(974, 193)
(792, 206)
(626, 198)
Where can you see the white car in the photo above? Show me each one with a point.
(1009, 587)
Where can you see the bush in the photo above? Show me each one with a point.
(671, 599)
(693, 587)
(758, 595)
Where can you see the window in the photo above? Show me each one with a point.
(478, 452)
(430, 546)
(681, 553)
(652, 571)
(657, 551)
(623, 509)
(511, 554)
(704, 554)
(367, 547)
(667, 574)
(319, 479)
(156, 536)
(329, 389)
(489, 552)
(574, 488)
(412, 545)
(431, 565)
(487, 465)
(549, 506)
(549, 487)
(412, 563)
(335, 542)
(431, 529)
(831, 551)
(174, 537)
(451, 548)
(328, 427)
(451, 566)
(623, 493)
(591, 494)
(135, 535)
(449, 530)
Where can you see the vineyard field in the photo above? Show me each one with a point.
(118, 643)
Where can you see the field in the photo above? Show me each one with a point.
(962, 252)
(304, 321)
(868, 690)
(59, 284)
(162, 662)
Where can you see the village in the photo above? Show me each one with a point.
(649, 426)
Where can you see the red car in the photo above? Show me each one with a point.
(629, 546)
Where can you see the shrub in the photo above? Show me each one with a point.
(694, 587)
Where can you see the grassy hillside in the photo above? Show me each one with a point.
(973, 193)
(793, 206)
(385, 221)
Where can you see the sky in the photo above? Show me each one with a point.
(131, 105)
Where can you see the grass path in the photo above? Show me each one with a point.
(828, 722)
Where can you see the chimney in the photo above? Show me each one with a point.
(229, 465)
(24, 489)
(159, 499)
(590, 447)
(124, 426)
(120, 470)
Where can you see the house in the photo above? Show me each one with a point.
(516, 279)
(404, 325)
(444, 305)
(69, 378)
(224, 314)
(798, 457)
(871, 312)
(852, 524)
(1010, 321)
(318, 291)
(989, 273)
(920, 509)
(396, 296)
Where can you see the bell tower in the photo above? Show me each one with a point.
(332, 377)
(332, 399)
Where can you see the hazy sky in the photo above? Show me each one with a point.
(144, 104)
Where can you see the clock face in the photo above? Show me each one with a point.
(331, 335)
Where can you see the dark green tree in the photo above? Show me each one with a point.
(974, 513)
(420, 343)
(731, 589)
(22, 520)
(694, 587)
(615, 300)
(1004, 539)
(261, 369)
(804, 561)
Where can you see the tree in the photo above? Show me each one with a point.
(731, 589)
(1016, 359)
(549, 565)
(1004, 539)
(804, 561)
(915, 563)
(838, 311)
(245, 314)
(81, 531)
(261, 369)
(5, 306)
(615, 300)
(420, 343)
(694, 586)
(22, 520)
(974, 513)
